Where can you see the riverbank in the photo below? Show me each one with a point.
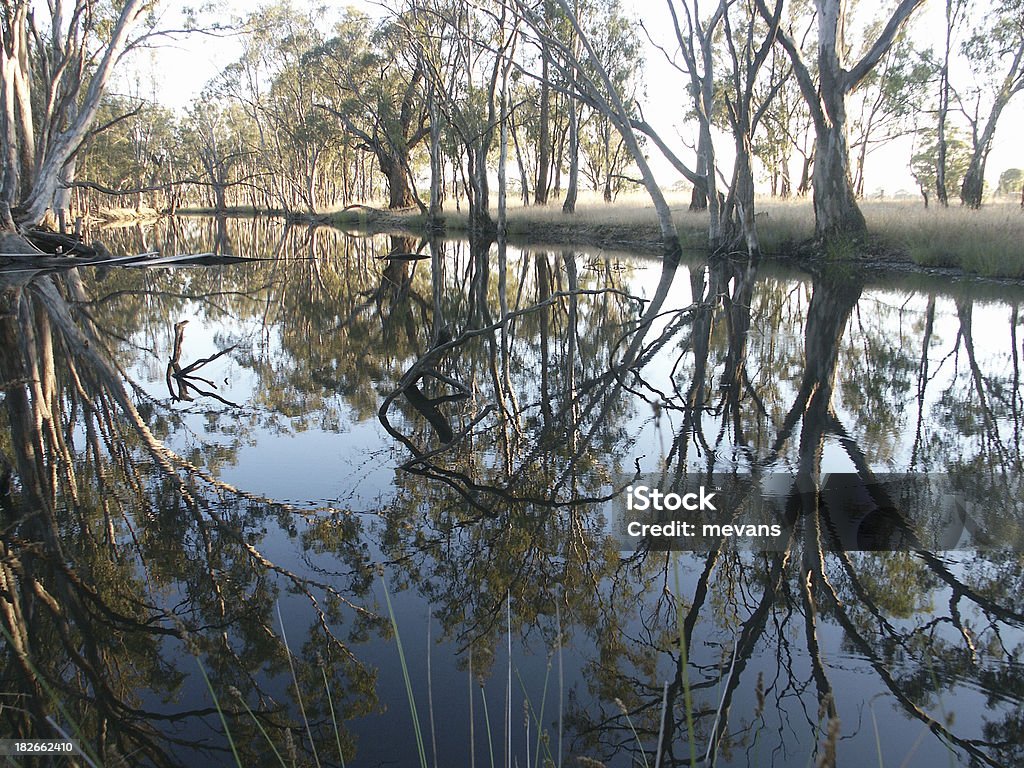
(987, 242)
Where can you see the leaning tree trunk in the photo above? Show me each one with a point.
(51, 169)
(805, 175)
(973, 187)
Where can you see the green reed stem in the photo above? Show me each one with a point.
(487, 724)
(92, 760)
(220, 711)
(298, 692)
(405, 675)
(334, 719)
(263, 731)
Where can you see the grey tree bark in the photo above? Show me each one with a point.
(836, 213)
(619, 115)
(44, 151)
(981, 136)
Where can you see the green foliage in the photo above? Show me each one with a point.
(924, 161)
(140, 143)
(613, 34)
(994, 37)
(892, 94)
(1010, 182)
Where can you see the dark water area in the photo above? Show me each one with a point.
(297, 499)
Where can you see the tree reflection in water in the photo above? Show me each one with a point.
(515, 389)
(120, 559)
(530, 524)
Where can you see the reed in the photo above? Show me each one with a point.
(298, 692)
(684, 666)
(405, 676)
(86, 754)
(220, 712)
(334, 719)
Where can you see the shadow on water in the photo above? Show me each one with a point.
(461, 418)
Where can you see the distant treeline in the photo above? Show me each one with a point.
(436, 102)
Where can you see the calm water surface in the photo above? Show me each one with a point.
(227, 486)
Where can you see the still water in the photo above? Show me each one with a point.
(261, 513)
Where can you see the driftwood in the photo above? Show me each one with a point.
(181, 380)
(56, 243)
(428, 406)
(404, 257)
(19, 257)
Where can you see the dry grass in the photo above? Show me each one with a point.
(145, 213)
(988, 242)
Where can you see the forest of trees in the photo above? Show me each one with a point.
(435, 103)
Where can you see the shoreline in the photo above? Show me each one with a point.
(903, 237)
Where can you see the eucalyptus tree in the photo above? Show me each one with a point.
(1010, 182)
(604, 156)
(544, 154)
(696, 38)
(748, 48)
(219, 144)
(722, 51)
(786, 130)
(303, 136)
(461, 49)
(784, 124)
(836, 212)
(554, 130)
(270, 82)
(134, 156)
(996, 50)
(596, 87)
(925, 163)
(614, 38)
(375, 87)
(573, 105)
(55, 64)
(883, 109)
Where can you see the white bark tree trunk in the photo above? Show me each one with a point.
(835, 205)
(42, 176)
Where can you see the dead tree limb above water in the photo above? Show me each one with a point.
(186, 378)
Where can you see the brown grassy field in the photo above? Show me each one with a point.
(987, 242)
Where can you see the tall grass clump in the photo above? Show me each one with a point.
(988, 242)
(783, 225)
